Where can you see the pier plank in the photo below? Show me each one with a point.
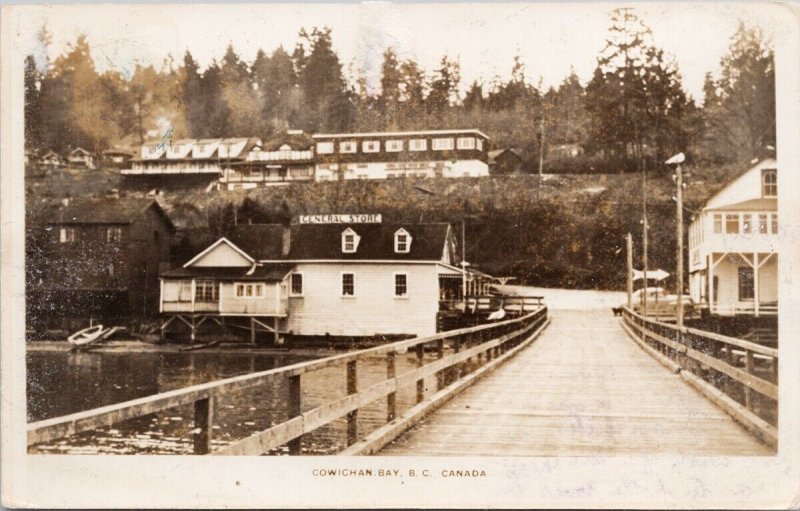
(588, 390)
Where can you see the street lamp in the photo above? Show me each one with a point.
(678, 177)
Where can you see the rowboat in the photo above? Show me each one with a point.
(86, 336)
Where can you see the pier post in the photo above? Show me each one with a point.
(294, 410)
(421, 381)
(203, 419)
(748, 392)
(391, 399)
(352, 417)
(252, 331)
(440, 355)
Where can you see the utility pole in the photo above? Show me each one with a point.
(464, 261)
(677, 160)
(629, 273)
(644, 238)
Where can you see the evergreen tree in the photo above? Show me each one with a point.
(740, 114)
(33, 111)
(322, 82)
(389, 101)
(192, 95)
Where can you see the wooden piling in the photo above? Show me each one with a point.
(203, 421)
(352, 388)
(294, 409)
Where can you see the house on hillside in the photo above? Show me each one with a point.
(117, 157)
(329, 275)
(260, 167)
(51, 159)
(100, 259)
(80, 157)
(186, 158)
(733, 257)
(382, 155)
(505, 161)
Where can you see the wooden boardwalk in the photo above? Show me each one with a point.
(583, 388)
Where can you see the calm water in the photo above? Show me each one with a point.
(60, 383)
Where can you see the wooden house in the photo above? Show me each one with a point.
(262, 166)
(505, 161)
(381, 155)
(99, 258)
(733, 256)
(117, 157)
(340, 279)
(189, 157)
(80, 157)
(51, 159)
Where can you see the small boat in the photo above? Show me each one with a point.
(86, 336)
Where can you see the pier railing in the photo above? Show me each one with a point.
(518, 305)
(472, 352)
(739, 376)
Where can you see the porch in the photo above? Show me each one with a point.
(740, 283)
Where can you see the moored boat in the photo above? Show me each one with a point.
(87, 335)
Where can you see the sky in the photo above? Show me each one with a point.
(550, 38)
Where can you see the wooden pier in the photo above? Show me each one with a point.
(589, 383)
(584, 388)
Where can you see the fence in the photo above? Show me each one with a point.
(488, 345)
(739, 376)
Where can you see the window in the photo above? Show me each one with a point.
(747, 223)
(350, 241)
(717, 223)
(769, 183)
(774, 223)
(371, 146)
(746, 283)
(296, 287)
(206, 291)
(466, 142)
(762, 223)
(732, 223)
(442, 144)
(67, 235)
(402, 242)
(348, 147)
(418, 144)
(394, 146)
(114, 234)
(400, 284)
(325, 147)
(348, 284)
(249, 290)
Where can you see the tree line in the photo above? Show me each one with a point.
(634, 107)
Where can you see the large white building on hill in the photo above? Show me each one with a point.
(733, 257)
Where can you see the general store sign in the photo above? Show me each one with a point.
(340, 219)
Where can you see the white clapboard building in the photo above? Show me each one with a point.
(190, 156)
(733, 257)
(328, 275)
(382, 155)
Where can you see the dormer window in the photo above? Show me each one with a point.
(402, 242)
(350, 241)
(769, 183)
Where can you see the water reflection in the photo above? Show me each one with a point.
(61, 383)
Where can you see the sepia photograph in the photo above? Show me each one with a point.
(452, 239)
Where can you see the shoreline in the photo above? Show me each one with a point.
(135, 346)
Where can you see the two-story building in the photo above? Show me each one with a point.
(189, 157)
(98, 258)
(329, 276)
(80, 157)
(381, 155)
(733, 257)
(264, 167)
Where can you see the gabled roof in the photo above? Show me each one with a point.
(324, 242)
(79, 150)
(215, 245)
(123, 210)
(269, 272)
(497, 152)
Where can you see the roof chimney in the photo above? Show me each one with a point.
(286, 240)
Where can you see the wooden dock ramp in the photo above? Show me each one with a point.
(583, 388)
